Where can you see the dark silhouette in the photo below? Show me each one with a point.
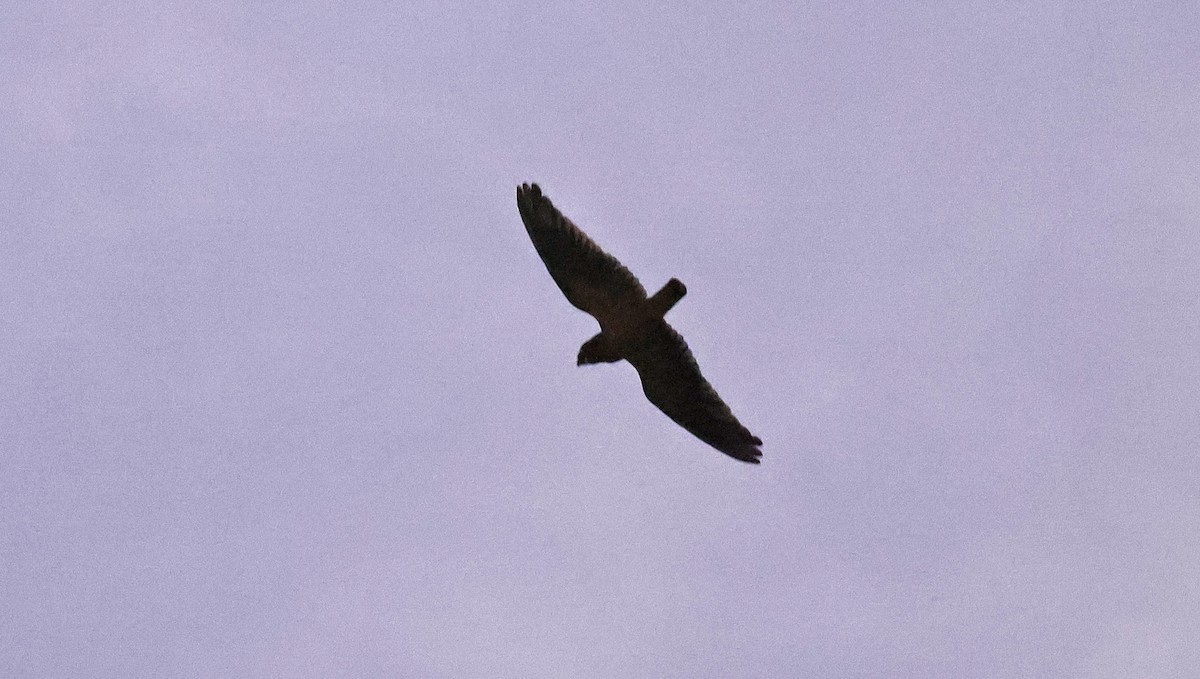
(632, 327)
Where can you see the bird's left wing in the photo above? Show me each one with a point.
(672, 381)
(592, 279)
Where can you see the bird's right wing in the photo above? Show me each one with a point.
(672, 381)
(592, 279)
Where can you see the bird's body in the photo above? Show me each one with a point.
(632, 326)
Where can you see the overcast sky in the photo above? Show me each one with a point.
(285, 390)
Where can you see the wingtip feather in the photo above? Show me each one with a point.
(744, 452)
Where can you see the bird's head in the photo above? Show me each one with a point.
(597, 350)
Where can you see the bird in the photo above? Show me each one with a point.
(632, 327)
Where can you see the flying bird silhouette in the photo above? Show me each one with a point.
(632, 327)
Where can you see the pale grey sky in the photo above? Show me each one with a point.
(286, 392)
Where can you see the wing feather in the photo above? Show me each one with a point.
(592, 279)
(672, 381)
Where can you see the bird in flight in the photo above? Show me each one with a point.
(632, 327)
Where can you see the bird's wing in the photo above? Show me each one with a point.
(592, 279)
(672, 381)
